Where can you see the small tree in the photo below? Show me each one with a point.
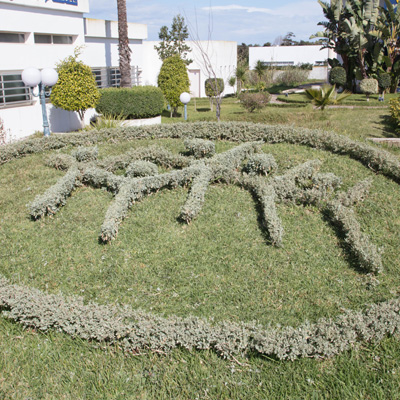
(384, 82)
(338, 77)
(369, 86)
(240, 75)
(173, 41)
(173, 80)
(76, 88)
(232, 82)
(214, 88)
(260, 68)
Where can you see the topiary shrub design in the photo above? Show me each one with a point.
(243, 166)
(134, 330)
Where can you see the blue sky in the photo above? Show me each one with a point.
(251, 21)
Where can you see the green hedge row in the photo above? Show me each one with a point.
(380, 160)
(131, 103)
(134, 330)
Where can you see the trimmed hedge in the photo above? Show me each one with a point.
(302, 184)
(380, 160)
(131, 103)
(134, 330)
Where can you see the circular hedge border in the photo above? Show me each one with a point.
(136, 330)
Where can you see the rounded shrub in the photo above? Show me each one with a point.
(141, 168)
(369, 86)
(384, 81)
(254, 101)
(173, 80)
(200, 148)
(214, 87)
(261, 164)
(131, 103)
(76, 88)
(338, 76)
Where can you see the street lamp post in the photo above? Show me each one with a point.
(32, 77)
(185, 98)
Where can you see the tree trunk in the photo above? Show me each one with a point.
(218, 107)
(123, 46)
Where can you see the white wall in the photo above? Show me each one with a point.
(82, 6)
(222, 55)
(32, 20)
(23, 121)
(295, 54)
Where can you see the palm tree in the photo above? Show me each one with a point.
(387, 30)
(260, 68)
(240, 75)
(326, 95)
(123, 45)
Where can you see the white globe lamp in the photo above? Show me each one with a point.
(185, 98)
(32, 77)
(49, 76)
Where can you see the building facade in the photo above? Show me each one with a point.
(40, 33)
(286, 56)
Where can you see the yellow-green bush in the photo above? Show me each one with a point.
(395, 112)
(76, 88)
(173, 80)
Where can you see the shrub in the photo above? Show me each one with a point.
(325, 96)
(292, 76)
(395, 112)
(60, 161)
(254, 101)
(141, 168)
(384, 81)
(76, 88)
(3, 134)
(214, 87)
(200, 148)
(380, 160)
(369, 86)
(86, 154)
(173, 80)
(261, 164)
(338, 76)
(131, 103)
(56, 196)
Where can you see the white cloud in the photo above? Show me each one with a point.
(234, 7)
(300, 9)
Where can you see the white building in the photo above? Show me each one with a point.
(40, 33)
(293, 55)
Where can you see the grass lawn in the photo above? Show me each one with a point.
(359, 100)
(359, 123)
(218, 267)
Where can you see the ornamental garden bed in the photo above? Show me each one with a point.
(203, 284)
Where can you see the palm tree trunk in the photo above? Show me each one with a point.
(123, 45)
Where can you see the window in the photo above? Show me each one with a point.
(42, 38)
(111, 77)
(12, 89)
(7, 37)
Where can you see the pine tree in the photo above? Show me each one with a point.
(173, 41)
